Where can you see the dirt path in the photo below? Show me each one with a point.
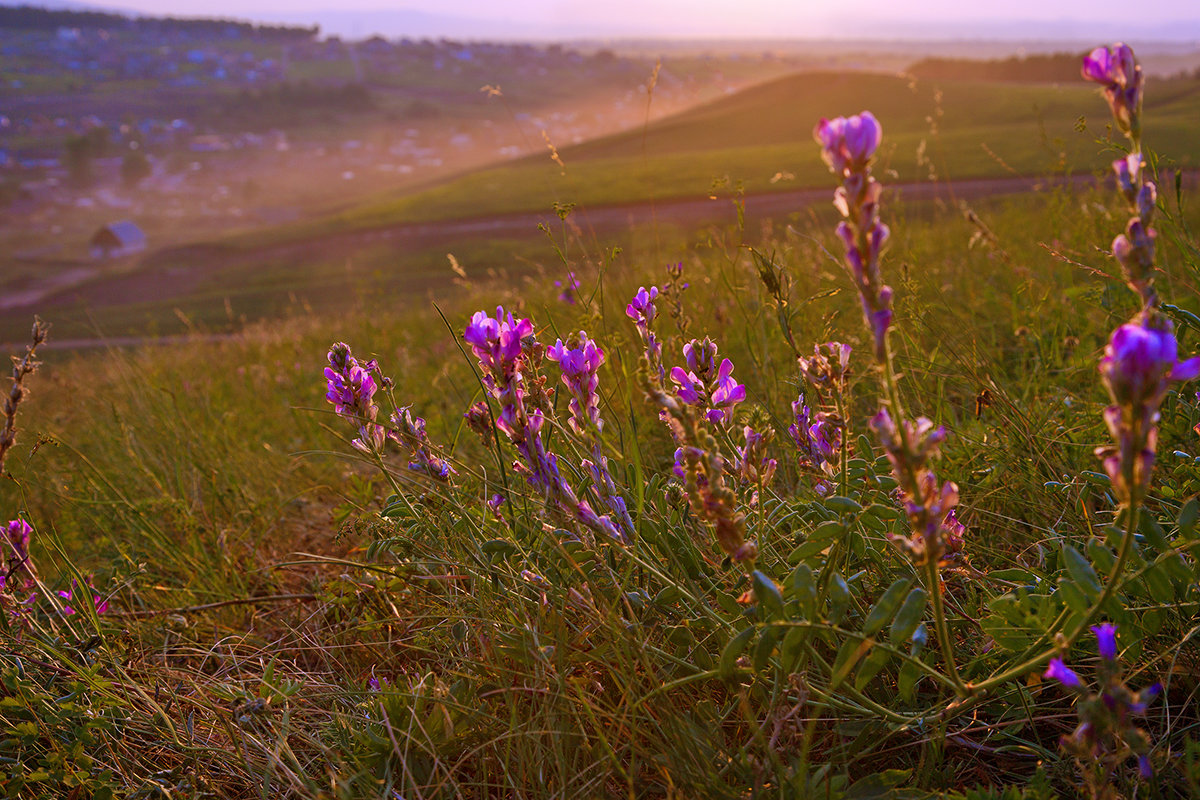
(161, 278)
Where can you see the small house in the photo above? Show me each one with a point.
(117, 239)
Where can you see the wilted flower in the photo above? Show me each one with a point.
(928, 502)
(753, 464)
(828, 367)
(479, 419)
(410, 432)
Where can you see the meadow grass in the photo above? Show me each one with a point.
(259, 575)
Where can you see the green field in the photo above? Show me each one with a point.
(968, 130)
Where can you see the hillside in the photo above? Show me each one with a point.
(759, 138)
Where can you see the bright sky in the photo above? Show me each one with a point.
(774, 18)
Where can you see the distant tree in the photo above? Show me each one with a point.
(82, 149)
(135, 168)
(1048, 68)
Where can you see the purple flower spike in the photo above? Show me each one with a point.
(18, 532)
(848, 142)
(1106, 640)
(728, 392)
(1116, 68)
(641, 308)
(1140, 358)
(1145, 768)
(1060, 672)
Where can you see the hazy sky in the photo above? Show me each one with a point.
(782, 18)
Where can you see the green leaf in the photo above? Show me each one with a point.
(501, 547)
(804, 589)
(769, 598)
(1101, 556)
(1080, 570)
(733, 651)
(1072, 596)
(878, 786)
(843, 505)
(906, 681)
(839, 598)
(1161, 590)
(909, 616)
(886, 607)
(1188, 516)
(876, 660)
(764, 649)
(1154, 533)
(847, 656)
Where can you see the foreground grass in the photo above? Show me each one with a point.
(255, 588)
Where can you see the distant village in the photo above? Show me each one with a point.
(105, 119)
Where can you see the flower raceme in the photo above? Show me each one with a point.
(1139, 364)
(848, 143)
(351, 389)
(1116, 69)
(717, 393)
(1106, 735)
(503, 344)
(643, 311)
(848, 146)
(580, 362)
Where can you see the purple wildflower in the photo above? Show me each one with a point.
(642, 311)
(570, 289)
(753, 464)
(580, 363)
(351, 389)
(410, 432)
(1116, 68)
(1139, 363)
(98, 603)
(1106, 640)
(498, 344)
(496, 341)
(848, 143)
(17, 533)
(726, 394)
(1063, 674)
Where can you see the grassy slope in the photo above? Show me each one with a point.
(752, 136)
